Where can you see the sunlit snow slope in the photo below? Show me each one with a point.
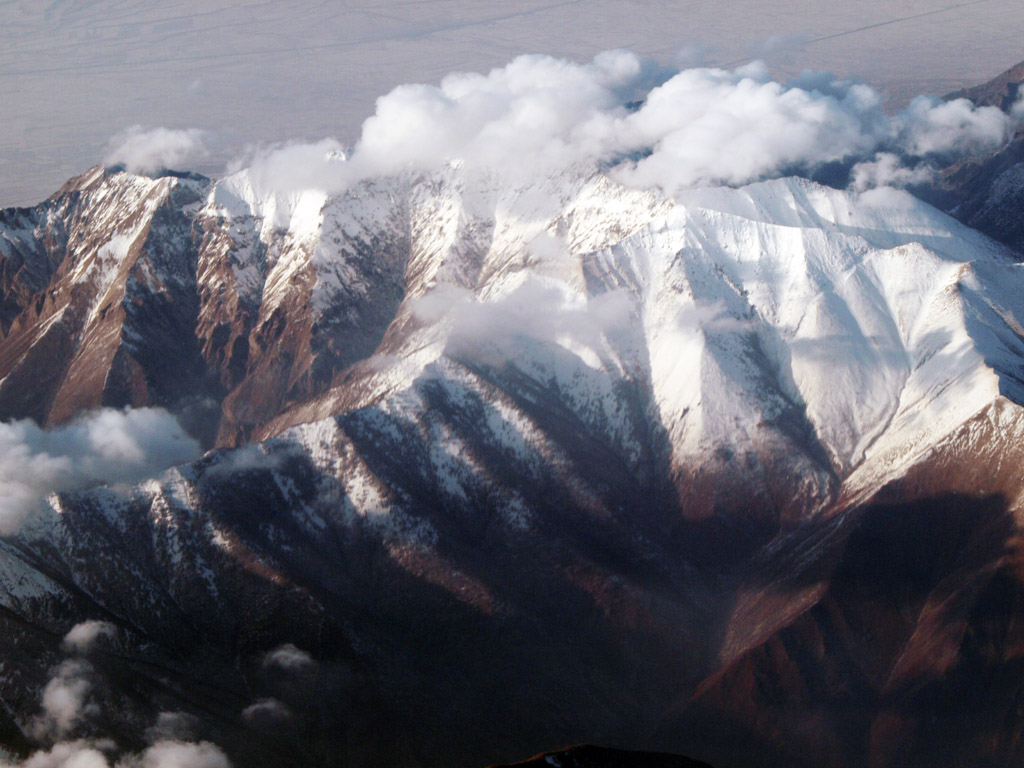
(797, 337)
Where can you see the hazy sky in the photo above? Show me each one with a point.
(75, 72)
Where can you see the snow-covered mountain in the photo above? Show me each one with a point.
(847, 333)
(518, 466)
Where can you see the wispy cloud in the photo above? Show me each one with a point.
(145, 150)
(105, 446)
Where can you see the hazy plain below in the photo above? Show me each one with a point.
(74, 73)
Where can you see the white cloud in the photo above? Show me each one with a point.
(68, 754)
(712, 126)
(541, 308)
(105, 446)
(65, 700)
(65, 703)
(144, 150)
(266, 713)
(931, 126)
(536, 111)
(887, 170)
(83, 636)
(297, 166)
(289, 658)
(177, 754)
(1017, 110)
(162, 754)
(649, 127)
(248, 458)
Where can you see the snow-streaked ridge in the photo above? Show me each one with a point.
(786, 319)
(785, 333)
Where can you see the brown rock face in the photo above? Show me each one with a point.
(1001, 91)
(122, 290)
(878, 659)
(113, 326)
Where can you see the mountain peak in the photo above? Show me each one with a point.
(1002, 91)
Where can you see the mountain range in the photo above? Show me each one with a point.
(496, 467)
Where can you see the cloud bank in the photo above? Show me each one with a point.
(145, 150)
(106, 446)
(648, 127)
(68, 704)
(83, 753)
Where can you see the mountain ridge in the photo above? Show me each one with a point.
(530, 466)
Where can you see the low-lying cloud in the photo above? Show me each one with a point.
(175, 754)
(289, 658)
(544, 309)
(65, 701)
(1017, 110)
(267, 713)
(145, 150)
(83, 753)
(646, 126)
(82, 637)
(887, 169)
(69, 707)
(105, 446)
(930, 126)
(295, 166)
(67, 754)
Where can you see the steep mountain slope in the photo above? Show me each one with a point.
(125, 290)
(987, 191)
(538, 465)
(1001, 91)
(100, 283)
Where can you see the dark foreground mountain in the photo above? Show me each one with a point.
(498, 469)
(587, 756)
